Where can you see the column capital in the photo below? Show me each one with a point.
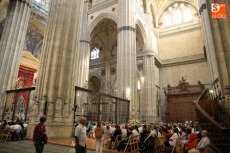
(85, 41)
(123, 28)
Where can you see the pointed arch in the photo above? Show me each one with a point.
(143, 32)
(99, 19)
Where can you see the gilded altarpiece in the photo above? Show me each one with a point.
(180, 101)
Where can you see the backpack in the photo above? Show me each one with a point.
(98, 133)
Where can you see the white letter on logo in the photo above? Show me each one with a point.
(215, 7)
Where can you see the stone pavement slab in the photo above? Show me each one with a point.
(26, 146)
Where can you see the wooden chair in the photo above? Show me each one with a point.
(207, 149)
(6, 136)
(159, 144)
(116, 142)
(129, 144)
(135, 143)
(176, 147)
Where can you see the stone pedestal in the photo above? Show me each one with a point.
(12, 42)
(54, 95)
(126, 52)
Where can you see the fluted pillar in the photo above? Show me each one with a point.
(56, 77)
(149, 101)
(83, 53)
(12, 42)
(126, 52)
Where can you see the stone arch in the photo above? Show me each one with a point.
(99, 19)
(92, 74)
(143, 32)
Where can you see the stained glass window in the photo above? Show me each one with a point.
(168, 20)
(188, 14)
(95, 53)
(177, 17)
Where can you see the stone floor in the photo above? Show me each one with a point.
(26, 146)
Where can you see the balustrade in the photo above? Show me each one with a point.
(214, 117)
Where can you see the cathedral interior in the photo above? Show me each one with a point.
(156, 60)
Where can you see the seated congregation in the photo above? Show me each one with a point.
(149, 137)
(12, 131)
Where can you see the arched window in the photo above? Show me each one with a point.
(95, 53)
(43, 2)
(138, 85)
(188, 15)
(177, 17)
(167, 20)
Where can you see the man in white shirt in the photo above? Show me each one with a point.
(202, 144)
(204, 141)
(80, 136)
(17, 128)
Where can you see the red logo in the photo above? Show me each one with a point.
(218, 10)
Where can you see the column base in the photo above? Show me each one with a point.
(53, 131)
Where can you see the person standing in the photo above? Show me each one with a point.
(39, 136)
(99, 137)
(80, 136)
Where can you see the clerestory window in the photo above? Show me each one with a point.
(95, 53)
(177, 13)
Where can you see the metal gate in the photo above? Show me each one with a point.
(101, 106)
(16, 104)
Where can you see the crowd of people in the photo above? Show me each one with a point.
(188, 137)
(17, 129)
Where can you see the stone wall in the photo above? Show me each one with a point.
(186, 43)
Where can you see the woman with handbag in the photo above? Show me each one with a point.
(39, 136)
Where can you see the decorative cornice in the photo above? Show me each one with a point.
(182, 30)
(161, 63)
(85, 41)
(123, 28)
(101, 6)
(149, 53)
(183, 60)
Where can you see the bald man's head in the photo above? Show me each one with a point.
(83, 120)
(204, 133)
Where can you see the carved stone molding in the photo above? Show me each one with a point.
(140, 66)
(113, 70)
(100, 6)
(123, 28)
(183, 60)
(174, 32)
(85, 41)
(103, 72)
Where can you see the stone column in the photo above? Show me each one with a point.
(149, 107)
(56, 77)
(83, 53)
(208, 41)
(220, 31)
(12, 42)
(126, 52)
